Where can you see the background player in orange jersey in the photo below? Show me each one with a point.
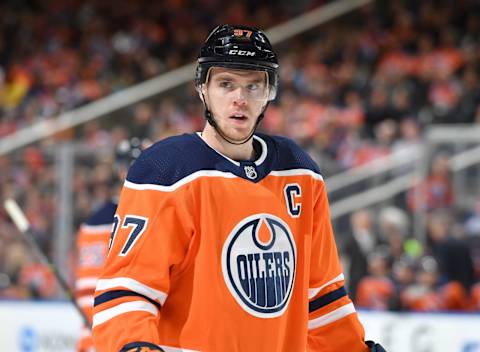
(222, 239)
(93, 237)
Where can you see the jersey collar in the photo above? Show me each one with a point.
(257, 162)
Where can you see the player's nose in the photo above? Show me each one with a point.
(239, 97)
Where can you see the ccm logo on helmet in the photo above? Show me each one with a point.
(241, 52)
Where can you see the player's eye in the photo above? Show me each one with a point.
(253, 87)
(225, 84)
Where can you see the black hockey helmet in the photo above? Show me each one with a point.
(238, 47)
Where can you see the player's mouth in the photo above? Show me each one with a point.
(239, 117)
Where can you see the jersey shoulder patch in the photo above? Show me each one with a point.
(103, 215)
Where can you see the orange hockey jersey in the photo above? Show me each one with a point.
(213, 254)
(92, 244)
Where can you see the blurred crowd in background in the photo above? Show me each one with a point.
(359, 88)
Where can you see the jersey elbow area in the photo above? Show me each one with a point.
(141, 298)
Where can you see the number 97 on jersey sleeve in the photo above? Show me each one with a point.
(137, 226)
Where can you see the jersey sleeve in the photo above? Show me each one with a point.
(333, 324)
(92, 243)
(150, 238)
(91, 255)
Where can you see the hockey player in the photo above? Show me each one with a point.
(223, 239)
(93, 237)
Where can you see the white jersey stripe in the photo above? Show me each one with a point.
(85, 301)
(86, 282)
(176, 349)
(297, 172)
(213, 173)
(183, 181)
(312, 292)
(95, 229)
(132, 285)
(263, 156)
(135, 306)
(332, 316)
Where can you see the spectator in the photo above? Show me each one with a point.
(452, 254)
(472, 230)
(436, 192)
(376, 290)
(393, 224)
(403, 275)
(426, 295)
(360, 242)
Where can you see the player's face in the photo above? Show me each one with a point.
(236, 98)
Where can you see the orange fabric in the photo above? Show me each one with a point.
(428, 301)
(92, 245)
(475, 293)
(345, 334)
(38, 277)
(375, 292)
(446, 60)
(454, 296)
(396, 63)
(180, 254)
(435, 192)
(85, 343)
(451, 296)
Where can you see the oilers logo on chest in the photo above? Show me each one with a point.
(258, 263)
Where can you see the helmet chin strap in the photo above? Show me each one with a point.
(211, 120)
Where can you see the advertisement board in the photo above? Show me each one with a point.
(38, 327)
(423, 332)
(55, 327)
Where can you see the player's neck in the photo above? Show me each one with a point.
(243, 151)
